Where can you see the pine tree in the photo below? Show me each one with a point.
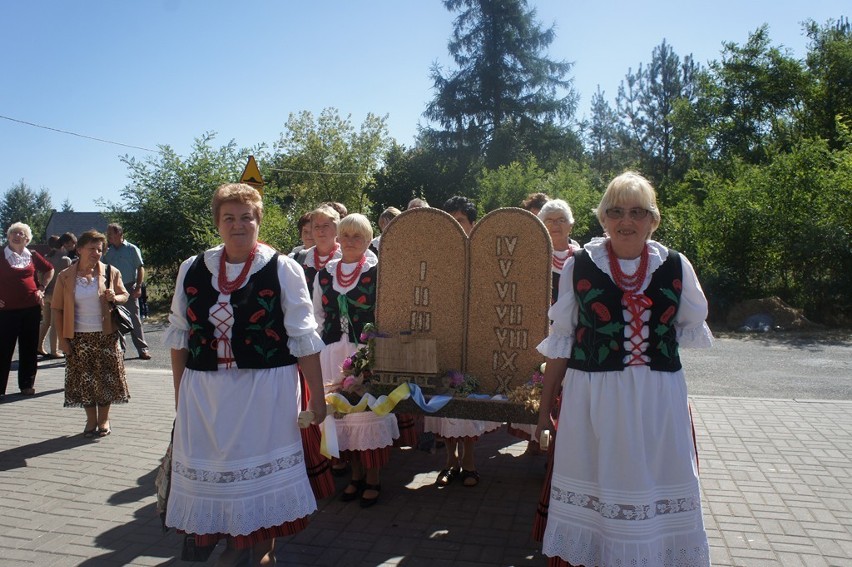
(505, 92)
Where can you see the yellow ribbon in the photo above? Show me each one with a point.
(380, 406)
(336, 403)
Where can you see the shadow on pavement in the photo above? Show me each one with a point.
(17, 457)
(141, 537)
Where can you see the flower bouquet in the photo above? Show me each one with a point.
(357, 367)
(529, 393)
(461, 384)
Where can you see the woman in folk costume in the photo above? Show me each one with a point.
(625, 487)
(344, 302)
(559, 220)
(323, 222)
(241, 318)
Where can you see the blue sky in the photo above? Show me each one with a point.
(147, 73)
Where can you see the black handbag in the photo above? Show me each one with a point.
(120, 314)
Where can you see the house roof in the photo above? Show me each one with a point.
(76, 223)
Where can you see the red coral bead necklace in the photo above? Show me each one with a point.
(345, 280)
(229, 287)
(559, 261)
(632, 283)
(321, 261)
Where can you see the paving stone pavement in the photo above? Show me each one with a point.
(776, 478)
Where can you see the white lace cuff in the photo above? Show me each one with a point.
(556, 346)
(305, 345)
(176, 338)
(695, 337)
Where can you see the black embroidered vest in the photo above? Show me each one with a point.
(360, 301)
(258, 338)
(310, 272)
(554, 286)
(599, 336)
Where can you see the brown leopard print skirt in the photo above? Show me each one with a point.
(94, 371)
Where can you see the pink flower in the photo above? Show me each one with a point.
(347, 364)
(456, 378)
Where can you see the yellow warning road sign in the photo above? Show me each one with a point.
(251, 175)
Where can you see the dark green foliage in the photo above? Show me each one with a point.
(21, 203)
(505, 97)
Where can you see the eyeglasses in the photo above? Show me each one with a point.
(636, 213)
(557, 221)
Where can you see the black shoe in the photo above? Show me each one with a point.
(367, 502)
(350, 496)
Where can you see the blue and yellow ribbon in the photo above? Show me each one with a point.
(381, 406)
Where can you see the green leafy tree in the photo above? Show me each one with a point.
(506, 97)
(397, 181)
(326, 159)
(782, 228)
(508, 185)
(23, 204)
(166, 206)
(437, 170)
(749, 101)
(575, 182)
(829, 63)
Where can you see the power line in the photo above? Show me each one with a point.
(76, 134)
(354, 174)
(342, 173)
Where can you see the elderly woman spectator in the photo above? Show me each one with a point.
(625, 488)
(82, 306)
(59, 260)
(24, 274)
(241, 319)
(344, 302)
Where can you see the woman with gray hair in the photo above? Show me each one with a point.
(23, 276)
(559, 221)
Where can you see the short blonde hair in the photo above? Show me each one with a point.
(237, 193)
(357, 223)
(326, 210)
(16, 226)
(629, 187)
